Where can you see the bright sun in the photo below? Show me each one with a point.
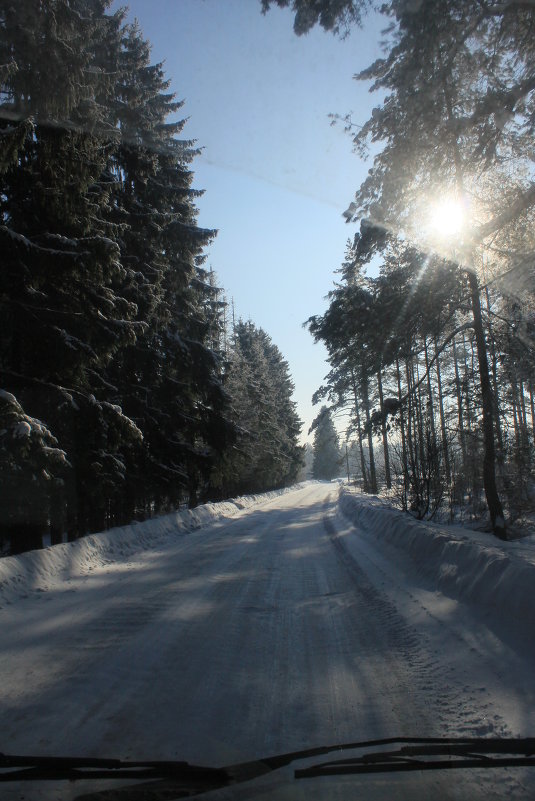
(447, 218)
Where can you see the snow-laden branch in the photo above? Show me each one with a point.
(524, 201)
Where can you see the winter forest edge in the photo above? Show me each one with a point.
(126, 390)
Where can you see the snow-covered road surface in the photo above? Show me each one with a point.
(278, 630)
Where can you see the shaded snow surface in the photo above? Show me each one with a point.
(54, 566)
(496, 578)
(266, 625)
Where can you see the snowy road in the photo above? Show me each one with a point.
(274, 631)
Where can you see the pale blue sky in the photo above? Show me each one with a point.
(277, 176)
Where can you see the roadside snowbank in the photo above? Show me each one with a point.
(465, 565)
(38, 571)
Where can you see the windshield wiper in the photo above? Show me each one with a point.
(414, 753)
(430, 754)
(32, 768)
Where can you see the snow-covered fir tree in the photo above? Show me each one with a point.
(107, 332)
(327, 460)
(267, 454)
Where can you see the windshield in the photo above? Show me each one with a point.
(267, 388)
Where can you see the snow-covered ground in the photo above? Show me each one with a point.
(267, 625)
(53, 567)
(497, 579)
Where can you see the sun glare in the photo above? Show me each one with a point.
(447, 218)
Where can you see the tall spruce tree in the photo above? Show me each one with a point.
(170, 378)
(106, 353)
(327, 461)
(267, 454)
(65, 317)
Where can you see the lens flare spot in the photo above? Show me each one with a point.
(447, 218)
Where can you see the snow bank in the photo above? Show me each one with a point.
(38, 571)
(466, 565)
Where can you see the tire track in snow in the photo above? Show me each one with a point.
(453, 707)
(469, 711)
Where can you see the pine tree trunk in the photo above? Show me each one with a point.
(496, 394)
(363, 468)
(532, 404)
(411, 445)
(445, 446)
(460, 414)
(525, 435)
(359, 433)
(487, 400)
(71, 525)
(472, 453)
(516, 415)
(96, 517)
(56, 517)
(419, 433)
(487, 404)
(402, 426)
(25, 537)
(469, 375)
(522, 421)
(384, 432)
(430, 394)
(366, 401)
(80, 502)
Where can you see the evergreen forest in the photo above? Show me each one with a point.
(125, 392)
(327, 461)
